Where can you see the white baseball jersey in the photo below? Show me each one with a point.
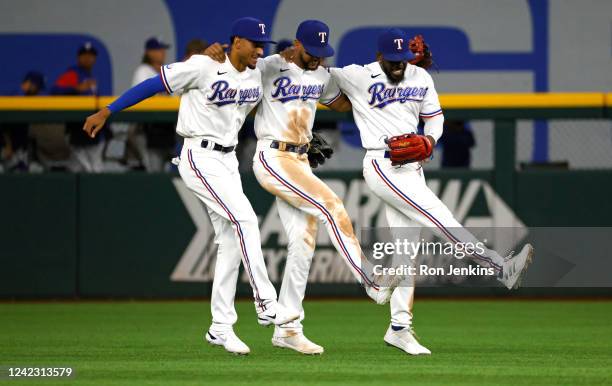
(216, 97)
(290, 99)
(143, 72)
(382, 109)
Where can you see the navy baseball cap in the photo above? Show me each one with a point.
(314, 36)
(87, 48)
(155, 43)
(37, 78)
(252, 29)
(393, 45)
(282, 44)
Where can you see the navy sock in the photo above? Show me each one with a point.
(397, 328)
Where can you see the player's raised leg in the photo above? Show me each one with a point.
(404, 188)
(400, 332)
(288, 176)
(301, 229)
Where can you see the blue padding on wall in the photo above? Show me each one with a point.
(50, 54)
(212, 20)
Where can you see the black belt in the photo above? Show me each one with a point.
(284, 146)
(217, 147)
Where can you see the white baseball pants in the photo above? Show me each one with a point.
(410, 203)
(214, 178)
(304, 200)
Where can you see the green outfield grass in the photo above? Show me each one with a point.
(160, 343)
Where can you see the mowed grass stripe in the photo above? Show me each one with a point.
(160, 343)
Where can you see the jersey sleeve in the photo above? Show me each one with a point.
(261, 64)
(331, 92)
(185, 75)
(339, 77)
(342, 77)
(266, 63)
(431, 103)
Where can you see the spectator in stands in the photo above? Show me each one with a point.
(14, 136)
(195, 47)
(456, 142)
(32, 84)
(153, 58)
(79, 80)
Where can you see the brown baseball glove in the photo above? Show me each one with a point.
(421, 51)
(408, 148)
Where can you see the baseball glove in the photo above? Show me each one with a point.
(408, 148)
(421, 51)
(318, 151)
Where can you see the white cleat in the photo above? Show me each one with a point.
(386, 286)
(229, 340)
(406, 341)
(514, 267)
(382, 295)
(275, 315)
(295, 340)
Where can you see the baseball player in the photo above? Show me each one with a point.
(216, 97)
(388, 98)
(283, 125)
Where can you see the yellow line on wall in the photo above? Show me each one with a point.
(527, 100)
(47, 103)
(151, 104)
(448, 101)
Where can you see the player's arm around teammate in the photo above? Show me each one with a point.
(283, 125)
(215, 101)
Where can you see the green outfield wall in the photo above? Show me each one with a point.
(147, 236)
